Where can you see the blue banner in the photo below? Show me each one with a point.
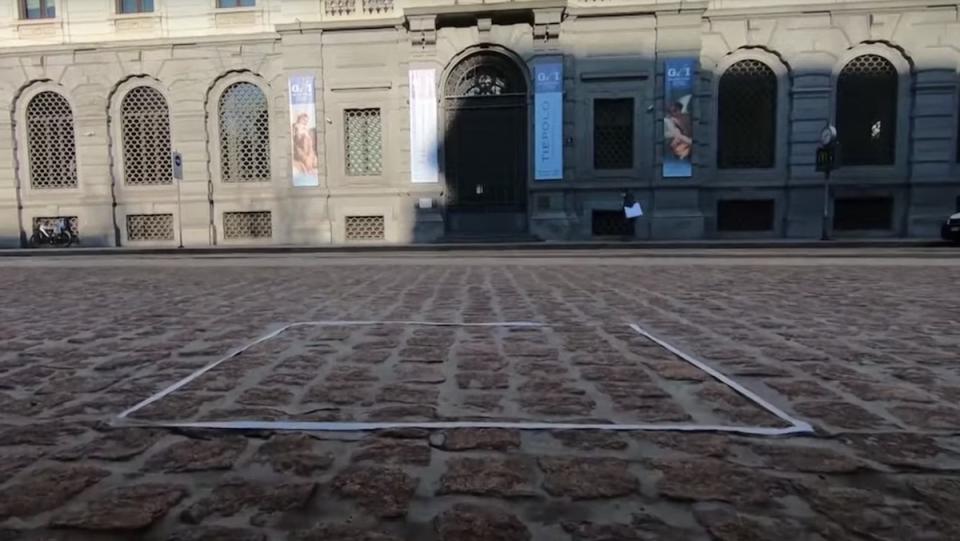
(548, 118)
(678, 117)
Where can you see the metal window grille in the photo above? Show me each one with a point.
(149, 227)
(248, 225)
(363, 145)
(863, 213)
(51, 144)
(613, 133)
(339, 7)
(611, 223)
(49, 221)
(236, 3)
(244, 134)
(365, 228)
(867, 111)
(745, 215)
(377, 6)
(145, 130)
(747, 116)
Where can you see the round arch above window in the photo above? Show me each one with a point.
(485, 74)
(747, 116)
(867, 94)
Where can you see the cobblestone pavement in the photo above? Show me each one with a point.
(866, 350)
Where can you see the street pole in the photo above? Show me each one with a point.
(825, 228)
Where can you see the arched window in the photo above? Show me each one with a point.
(867, 111)
(145, 131)
(244, 134)
(747, 116)
(51, 144)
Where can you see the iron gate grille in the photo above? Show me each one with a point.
(863, 213)
(248, 225)
(747, 116)
(365, 228)
(867, 111)
(745, 215)
(613, 133)
(149, 227)
(363, 145)
(51, 143)
(611, 223)
(244, 134)
(145, 129)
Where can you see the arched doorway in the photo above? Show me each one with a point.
(485, 145)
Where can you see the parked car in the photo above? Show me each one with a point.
(950, 230)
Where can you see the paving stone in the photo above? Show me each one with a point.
(341, 393)
(124, 508)
(340, 532)
(468, 439)
(265, 396)
(558, 404)
(236, 495)
(10, 465)
(727, 524)
(590, 439)
(872, 514)
(116, 444)
(468, 522)
(216, 533)
(385, 492)
(504, 478)
(46, 489)
(483, 380)
(642, 527)
(392, 451)
(840, 415)
(407, 394)
(197, 455)
(294, 454)
(41, 433)
(802, 389)
(581, 478)
(712, 480)
(796, 458)
(928, 417)
(897, 449)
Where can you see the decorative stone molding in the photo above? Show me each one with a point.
(546, 23)
(423, 30)
(340, 7)
(377, 6)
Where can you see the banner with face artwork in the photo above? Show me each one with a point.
(304, 162)
(678, 117)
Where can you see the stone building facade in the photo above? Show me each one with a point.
(100, 92)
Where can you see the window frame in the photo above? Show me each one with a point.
(122, 136)
(343, 141)
(889, 174)
(593, 134)
(773, 120)
(139, 11)
(26, 151)
(219, 4)
(782, 148)
(222, 88)
(45, 7)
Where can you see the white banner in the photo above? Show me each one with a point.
(303, 132)
(423, 126)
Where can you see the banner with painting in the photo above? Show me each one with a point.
(678, 117)
(303, 132)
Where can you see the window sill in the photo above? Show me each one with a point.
(135, 21)
(32, 28)
(242, 16)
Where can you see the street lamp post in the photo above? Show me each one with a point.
(826, 162)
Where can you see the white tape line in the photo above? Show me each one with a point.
(321, 323)
(801, 426)
(362, 426)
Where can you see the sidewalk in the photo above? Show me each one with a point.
(668, 245)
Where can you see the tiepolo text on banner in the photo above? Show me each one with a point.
(548, 118)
